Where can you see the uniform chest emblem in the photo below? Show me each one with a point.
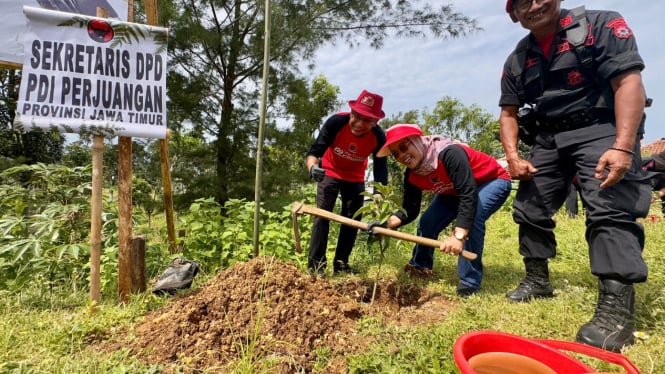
(531, 62)
(563, 47)
(353, 147)
(574, 78)
(566, 21)
(620, 28)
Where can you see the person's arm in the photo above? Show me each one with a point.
(629, 99)
(326, 136)
(380, 170)
(518, 167)
(457, 164)
(411, 200)
(380, 163)
(510, 101)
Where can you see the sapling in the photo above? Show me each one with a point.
(378, 209)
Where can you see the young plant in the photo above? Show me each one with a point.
(378, 209)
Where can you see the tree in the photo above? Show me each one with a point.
(284, 165)
(472, 125)
(23, 147)
(146, 195)
(216, 59)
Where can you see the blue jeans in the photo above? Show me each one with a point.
(442, 211)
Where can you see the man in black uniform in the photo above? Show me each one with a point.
(579, 71)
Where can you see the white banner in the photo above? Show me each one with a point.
(13, 25)
(85, 74)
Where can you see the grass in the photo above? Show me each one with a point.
(53, 333)
(430, 350)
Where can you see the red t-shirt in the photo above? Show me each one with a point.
(346, 158)
(483, 166)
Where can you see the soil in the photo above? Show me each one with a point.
(272, 312)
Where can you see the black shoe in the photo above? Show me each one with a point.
(536, 283)
(342, 267)
(466, 291)
(613, 323)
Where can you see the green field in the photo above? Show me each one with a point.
(44, 331)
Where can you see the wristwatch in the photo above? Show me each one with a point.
(459, 235)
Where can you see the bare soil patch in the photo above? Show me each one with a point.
(270, 310)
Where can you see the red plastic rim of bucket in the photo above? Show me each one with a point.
(475, 343)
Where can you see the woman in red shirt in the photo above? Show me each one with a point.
(469, 186)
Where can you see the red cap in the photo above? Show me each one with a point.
(397, 133)
(368, 104)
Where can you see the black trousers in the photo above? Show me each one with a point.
(326, 196)
(615, 239)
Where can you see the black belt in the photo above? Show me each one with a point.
(576, 120)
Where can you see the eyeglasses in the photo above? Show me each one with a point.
(524, 5)
(403, 147)
(361, 118)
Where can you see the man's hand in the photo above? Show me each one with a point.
(373, 224)
(521, 169)
(317, 173)
(612, 166)
(374, 237)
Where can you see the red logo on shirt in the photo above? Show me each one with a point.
(531, 62)
(567, 20)
(353, 147)
(574, 78)
(563, 47)
(620, 28)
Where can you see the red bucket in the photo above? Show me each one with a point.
(490, 352)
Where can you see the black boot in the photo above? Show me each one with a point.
(536, 283)
(613, 323)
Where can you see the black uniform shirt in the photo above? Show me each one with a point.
(561, 84)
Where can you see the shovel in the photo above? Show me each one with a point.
(300, 208)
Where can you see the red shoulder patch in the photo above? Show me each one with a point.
(565, 21)
(620, 28)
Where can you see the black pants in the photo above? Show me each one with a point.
(614, 237)
(571, 201)
(326, 196)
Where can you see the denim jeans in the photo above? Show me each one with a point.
(442, 211)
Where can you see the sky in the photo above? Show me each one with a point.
(413, 74)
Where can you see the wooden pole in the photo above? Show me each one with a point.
(262, 121)
(96, 218)
(168, 192)
(151, 15)
(124, 217)
(10, 65)
(96, 206)
(125, 268)
(139, 278)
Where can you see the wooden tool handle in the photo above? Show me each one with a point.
(299, 208)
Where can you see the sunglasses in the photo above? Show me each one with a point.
(403, 147)
(524, 5)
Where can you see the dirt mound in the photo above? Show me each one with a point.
(268, 310)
